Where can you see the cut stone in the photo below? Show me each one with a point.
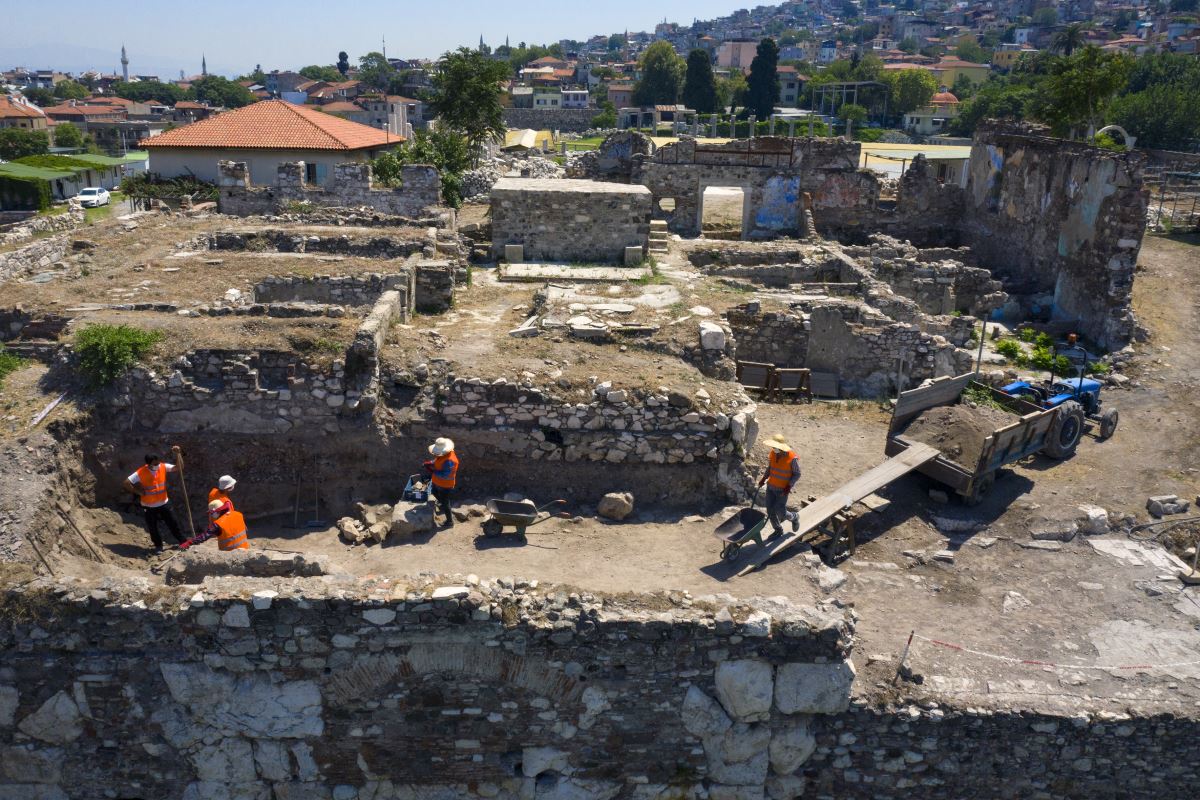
(813, 688)
(745, 689)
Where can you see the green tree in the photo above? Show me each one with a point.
(971, 51)
(963, 87)
(214, 90)
(607, 118)
(731, 91)
(662, 72)
(257, 76)
(852, 115)
(343, 64)
(763, 84)
(40, 97)
(909, 45)
(1068, 40)
(911, 89)
(316, 72)
(1045, 17)
(149, 92)
(466, 95)
(615, 42)
(70, 90)
(375, 71)
(66, 134)
(699, 85)
(19, 142)
(1160, 103)
(1079, 88)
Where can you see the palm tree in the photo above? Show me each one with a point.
(1068, 40)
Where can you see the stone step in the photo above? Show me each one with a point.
(662, 250)
(658, 223)
(659, 236)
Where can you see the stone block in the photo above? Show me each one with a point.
(703, 716)
(633, 256)
(1165, 505)
(409, 519)
(712, 336)
(615, 505)
(745, 689)
(791, 745)
(813, 688)
(514, 253)
(56, 721)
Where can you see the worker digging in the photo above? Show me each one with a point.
(783, 470)
(443, 474)
(149, 483)
(227, 525)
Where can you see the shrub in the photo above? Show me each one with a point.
(107, 351)
(1098, 368)
(1044, 358)
(9, 363)
(1009, 348)
(1027, 335)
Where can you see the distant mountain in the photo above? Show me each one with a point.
(78, 58)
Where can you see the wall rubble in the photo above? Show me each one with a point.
(350, 185)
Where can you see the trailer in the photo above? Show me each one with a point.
(1032, 430)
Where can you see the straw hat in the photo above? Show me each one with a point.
(215, 506)
(441, 446)
(777, 442)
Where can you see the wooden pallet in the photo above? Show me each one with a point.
(817, 513)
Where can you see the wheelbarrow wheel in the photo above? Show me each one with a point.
(730, 551)
(492, 529)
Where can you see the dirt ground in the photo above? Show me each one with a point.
(971, 577)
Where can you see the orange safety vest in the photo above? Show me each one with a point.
(779, 469)
(439, 465)
(233, 532)
(217, 494)
(154, 484)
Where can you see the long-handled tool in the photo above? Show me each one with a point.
(187, 504)
(71, 523)
(316, 521)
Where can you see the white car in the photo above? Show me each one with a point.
(93, 196)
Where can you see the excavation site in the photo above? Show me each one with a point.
(766, 477)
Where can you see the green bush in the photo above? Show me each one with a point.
(107, 351)
(1098, 368)
(9, 363)
(1009, 348)
(1027, 335)
(1044, 358)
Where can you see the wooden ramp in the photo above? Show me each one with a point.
(825, 507)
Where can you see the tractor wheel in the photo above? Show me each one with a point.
(1065, 432)
(1108, 423)
(492, 529)
(980, 490)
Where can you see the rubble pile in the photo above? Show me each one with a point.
(477, 183)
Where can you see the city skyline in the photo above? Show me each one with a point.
(290, 35)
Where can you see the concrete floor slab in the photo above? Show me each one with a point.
(565, 272)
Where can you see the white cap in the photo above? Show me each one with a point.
(225, 483)
(441, 446)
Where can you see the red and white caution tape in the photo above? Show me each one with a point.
(1039, 663)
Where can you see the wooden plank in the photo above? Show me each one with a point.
(824, 384)
(845, 496)
(940, 392)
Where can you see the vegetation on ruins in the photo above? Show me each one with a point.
(466, 96)
(444, 149)
(106, 351)
(152, 186)
(9, 363)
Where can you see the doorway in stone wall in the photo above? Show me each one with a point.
(723, 212)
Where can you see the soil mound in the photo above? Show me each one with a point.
(958, 432)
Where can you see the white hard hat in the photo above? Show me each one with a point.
(441, 446)
(225, 483)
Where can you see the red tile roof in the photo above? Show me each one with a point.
(344, 106)
(186, 104)
(11, 110)
(275, 125)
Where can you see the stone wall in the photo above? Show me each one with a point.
(850, 339)
(568, 120)
(434, 290)
(310, 688)
(1051, 215)
(350, 185)
(36, 256)
(774, 172)
(31, 226)
(349, 290)
(569, 220)
(286, 241)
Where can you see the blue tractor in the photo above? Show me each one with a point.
(1077, 399)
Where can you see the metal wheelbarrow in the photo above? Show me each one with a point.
(520, 515)
(744, 526)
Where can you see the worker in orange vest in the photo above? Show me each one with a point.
(149, 483)
(783, 470)
(225, 485)
(227, 525)
(443, 474)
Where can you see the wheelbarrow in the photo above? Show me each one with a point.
(744, 526)
(416, 490)
(517, 514)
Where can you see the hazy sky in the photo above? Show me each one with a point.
(165, 37)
